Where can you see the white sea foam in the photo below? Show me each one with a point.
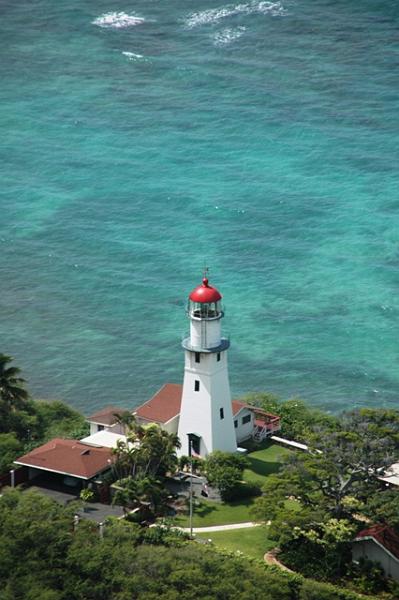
(118, 20)
(133, 55)
(213, 15)
(228, 35)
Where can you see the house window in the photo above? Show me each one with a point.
(236, 423)
(197, 357)
(196, 385)
(246, 419)
(100, 427)
(221, 411)
(218, 356)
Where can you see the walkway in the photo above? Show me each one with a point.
(221, 527)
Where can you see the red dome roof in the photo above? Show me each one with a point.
(205, 293)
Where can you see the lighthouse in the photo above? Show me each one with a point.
(206, 417)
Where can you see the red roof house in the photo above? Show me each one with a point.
(68, 457)
(163, 406)
(379, 543)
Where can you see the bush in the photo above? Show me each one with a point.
(312, 590)
(224, 470)
(244, 490)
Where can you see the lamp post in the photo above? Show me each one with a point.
(190, 454)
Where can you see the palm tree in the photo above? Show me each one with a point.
(127, 420)
(144, 493)
(159, 450)
(147, 451)
(15, 408)
(12, 390)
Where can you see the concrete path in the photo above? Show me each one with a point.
(221, 527)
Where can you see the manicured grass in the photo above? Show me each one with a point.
(252, 541)
(208, 513)
(264, 462)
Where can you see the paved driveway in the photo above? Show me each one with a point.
(61, 497)
(94, 511)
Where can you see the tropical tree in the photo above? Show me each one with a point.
(147, 451)
(17, 411)
(224, 470)
(12, 391)
(128, 422)
(145, 493)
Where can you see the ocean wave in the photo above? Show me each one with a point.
(213, 15)
(118, 20)
(228, 35)
(133, 56)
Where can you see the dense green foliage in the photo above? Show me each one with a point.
(41, 556)
(297, 418)
(225, 472)
(27, 423)
(334, 486)
(147, 452)
(141, 463)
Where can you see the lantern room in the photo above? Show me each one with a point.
(205, 314)
(205, 302)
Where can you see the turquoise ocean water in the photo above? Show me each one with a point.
(141, 140)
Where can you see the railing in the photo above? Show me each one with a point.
(224, 344)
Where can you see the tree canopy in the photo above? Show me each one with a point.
(26, 423)
(43, 556)
(321, 498)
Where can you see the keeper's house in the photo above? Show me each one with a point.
(164, 409)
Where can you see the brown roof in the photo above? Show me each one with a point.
(162, 407)
(106, 416)
(237, 405)
(167, 402)
(69, 457)
(383, 534)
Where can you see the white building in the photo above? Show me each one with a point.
(206, 415)
(201, 409)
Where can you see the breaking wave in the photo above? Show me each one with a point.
(228, 35)
(214, 15)
(133, 56)
(117, 20)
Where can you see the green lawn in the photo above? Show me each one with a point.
(263, 462)
(252, 541)
(208, 513)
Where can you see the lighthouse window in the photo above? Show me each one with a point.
(197, 357)
(196, 385)
(236, 423)
(221, 413)
(246, 419)
(218, 356)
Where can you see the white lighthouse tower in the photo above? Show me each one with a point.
(206, 414)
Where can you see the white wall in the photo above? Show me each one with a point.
(243, 432)
(372, 551)
(200, 411)
(205, 333)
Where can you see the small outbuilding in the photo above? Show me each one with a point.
(379, 543)
(66, 463)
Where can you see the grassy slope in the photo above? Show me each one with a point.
(263, 462)
(207, 513)
(252, 542)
